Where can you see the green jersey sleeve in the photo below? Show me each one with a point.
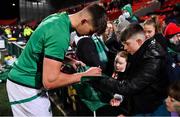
(56, 44)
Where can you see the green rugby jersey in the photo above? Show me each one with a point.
(50, 39)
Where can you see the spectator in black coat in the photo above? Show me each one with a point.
(146, 82)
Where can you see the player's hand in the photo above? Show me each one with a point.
(93, 71)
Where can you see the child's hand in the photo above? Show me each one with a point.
(115, 102)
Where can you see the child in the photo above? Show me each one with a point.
(173, 99)
(120, 63)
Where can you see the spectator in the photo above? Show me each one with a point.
(96, 50)
(93, 55)
(128, 14)
(17, 32)
(120, 64)
(39, 65)
(8, 31)
(153, 29)
(146, 81)
(122, 23)
(173, 99)
(152, 26)
(27, 32)
(172, 33)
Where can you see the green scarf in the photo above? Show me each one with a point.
(92, 98)
(101, 48)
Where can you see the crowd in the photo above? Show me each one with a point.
(136, 65)
(19, 32)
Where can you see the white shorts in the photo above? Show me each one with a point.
(25, 101)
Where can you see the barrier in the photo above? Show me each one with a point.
(15, 49)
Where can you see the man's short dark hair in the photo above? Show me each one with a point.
(130, 30)
(99, 17)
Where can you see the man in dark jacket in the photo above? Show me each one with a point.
(146, 81)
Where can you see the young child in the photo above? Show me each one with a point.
(173, 99)
(120, 64)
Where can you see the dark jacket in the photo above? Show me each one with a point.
(88, 54)
(146, 80)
